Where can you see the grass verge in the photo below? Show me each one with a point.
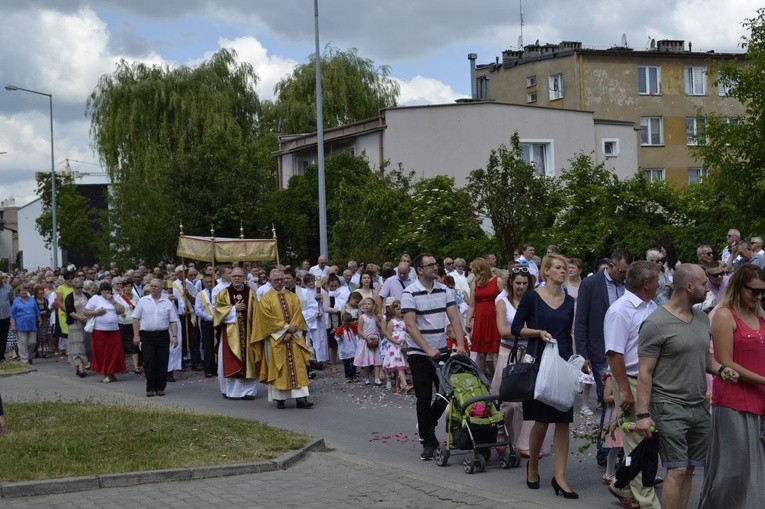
(9, 367)
(63, 439)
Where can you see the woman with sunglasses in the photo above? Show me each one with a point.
(735, 463)
(75, 304)
(482, 315)
(519, 280)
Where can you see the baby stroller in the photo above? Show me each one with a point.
(473, 418)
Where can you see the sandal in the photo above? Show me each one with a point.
(408, 388)
(138, 371)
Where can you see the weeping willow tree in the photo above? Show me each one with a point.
(180, 144)
(353, 89)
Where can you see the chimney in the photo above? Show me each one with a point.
(472, 58)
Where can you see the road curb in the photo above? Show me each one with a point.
(70, 484)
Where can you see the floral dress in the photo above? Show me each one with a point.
(393, 359)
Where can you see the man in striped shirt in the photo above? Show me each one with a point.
(426, 306)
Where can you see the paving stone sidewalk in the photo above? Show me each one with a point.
(320, 480)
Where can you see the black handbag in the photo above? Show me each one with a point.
(518, 378)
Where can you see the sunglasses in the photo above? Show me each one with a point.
(660, 260)
(756, 292)
(716, 274)
(519, 270)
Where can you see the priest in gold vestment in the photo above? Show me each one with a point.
(279, 339)
(238, 363)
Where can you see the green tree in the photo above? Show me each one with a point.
(734, 151)
(585, 227)
(441, 219)
(353, 89)
(361, 207)
(79, 225)
(518, 202)
(181, 144)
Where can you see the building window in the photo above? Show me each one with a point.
(654, 174)
(734, 121)
(694, 130)
(531, 81)
(531, 97)
(556, 86)
(651, 131)
(696, 175)
(723, 89)
(610, 147)
(696, 81)
(538, 153)
(649, 80)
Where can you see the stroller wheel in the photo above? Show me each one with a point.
(468, 464)
(480, 464)
(441, 456)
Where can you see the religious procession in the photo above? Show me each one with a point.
(452, 335)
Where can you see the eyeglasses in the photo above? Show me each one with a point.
(434, 264)
(620, 271)
(756, 292)
(707, 253)
(519, 270)
(716, 274)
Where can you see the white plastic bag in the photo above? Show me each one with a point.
(557, 380)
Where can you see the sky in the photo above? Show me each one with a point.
(63, 47)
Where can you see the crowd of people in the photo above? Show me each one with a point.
(642, 327)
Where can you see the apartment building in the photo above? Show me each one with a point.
(665, 91)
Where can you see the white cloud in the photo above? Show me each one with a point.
(421, 90)
(270, 68)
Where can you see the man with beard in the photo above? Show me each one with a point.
(673, 358)
(234, 312)
(279, 341)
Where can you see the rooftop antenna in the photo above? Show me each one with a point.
(520, 38)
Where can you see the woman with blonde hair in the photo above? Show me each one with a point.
(546, 315)
(482, 315)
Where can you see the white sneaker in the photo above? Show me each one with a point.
(585, 411)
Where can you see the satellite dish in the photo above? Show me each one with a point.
(624, 40)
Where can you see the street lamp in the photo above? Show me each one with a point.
(54, 234)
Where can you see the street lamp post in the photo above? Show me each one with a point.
(54, 233)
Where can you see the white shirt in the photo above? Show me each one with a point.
(154, 315)
(107, 322)
(621, 326)
(222, 285)
(262, 290)
(204, 297)
(318, 272)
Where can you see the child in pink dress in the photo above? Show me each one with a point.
(369, 327)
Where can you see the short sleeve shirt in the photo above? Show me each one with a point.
(681, 351)
(430, 310)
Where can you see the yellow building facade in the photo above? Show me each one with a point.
(665, 91)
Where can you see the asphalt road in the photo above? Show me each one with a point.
(369, 425)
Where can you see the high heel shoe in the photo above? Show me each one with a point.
(566, 494)
(532, 485)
